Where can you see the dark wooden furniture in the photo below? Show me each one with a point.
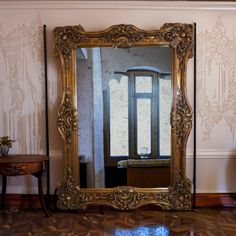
(149, 177)
(15, 165)
(147, 173)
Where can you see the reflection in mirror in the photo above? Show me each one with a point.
(124, 104)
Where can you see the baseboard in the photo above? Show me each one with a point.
(202, 200)
(216, 200)
(32, 200)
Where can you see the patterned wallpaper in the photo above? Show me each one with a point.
(22, 82)
(22, 85)
(216, 80)
(22, 75)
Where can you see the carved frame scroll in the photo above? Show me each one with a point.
(177, 196)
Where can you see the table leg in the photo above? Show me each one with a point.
(40, 190)
(4, 187)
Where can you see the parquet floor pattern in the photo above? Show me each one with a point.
(202, 222)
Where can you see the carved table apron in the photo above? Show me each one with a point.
(15, 165)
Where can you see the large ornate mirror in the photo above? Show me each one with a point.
(125, 116)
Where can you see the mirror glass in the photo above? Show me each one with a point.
(124, 99)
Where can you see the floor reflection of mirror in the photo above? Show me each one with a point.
(143, 231)
(124, 104)
(140, 222)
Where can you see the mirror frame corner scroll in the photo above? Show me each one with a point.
(177, 196)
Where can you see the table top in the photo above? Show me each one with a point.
(23, 158)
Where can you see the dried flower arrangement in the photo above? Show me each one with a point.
(5, 140)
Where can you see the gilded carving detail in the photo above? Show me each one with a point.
(123, 198)
(180, 38)
(181, 118)
(177, 197)
(123, 36)
(67, 192)
(66, 39)
(67, 118)
(180, 193)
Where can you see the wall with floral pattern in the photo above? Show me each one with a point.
(22, 94)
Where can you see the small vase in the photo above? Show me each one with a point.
(4, 149)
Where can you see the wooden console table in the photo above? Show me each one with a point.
(15, 165)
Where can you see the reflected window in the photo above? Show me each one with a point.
(119, 130)
(144, 126)
(143, 84)
(137, 115)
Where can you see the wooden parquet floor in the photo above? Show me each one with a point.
(140, 222)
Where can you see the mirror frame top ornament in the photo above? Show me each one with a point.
(177, 196)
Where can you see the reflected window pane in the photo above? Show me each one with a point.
(119, 116)
(164, 121)
(144, 127)
(143, 84)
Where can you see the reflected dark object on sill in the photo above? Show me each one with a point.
(115, 176)
(83, 175)
(145, 153)
(83, 171)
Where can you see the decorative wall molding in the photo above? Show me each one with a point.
(212, 154)
(201, 154)
(56, 155)
(120, 5)
(215, 199)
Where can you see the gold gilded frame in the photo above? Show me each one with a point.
(178, 195)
